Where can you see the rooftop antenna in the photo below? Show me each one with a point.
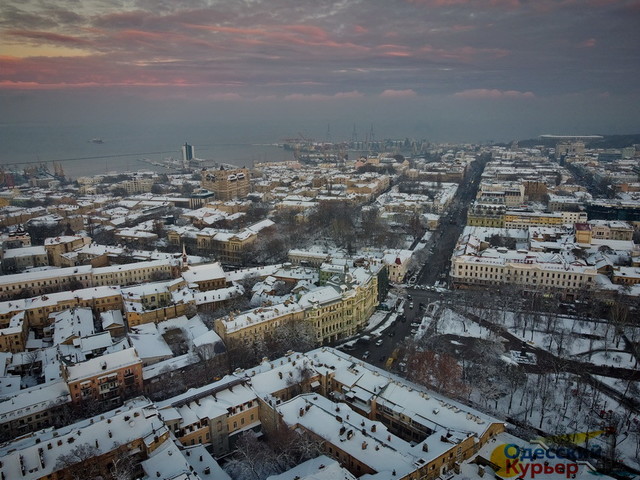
(354, 135)
(328, 133)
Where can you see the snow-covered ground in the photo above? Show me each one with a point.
(557, 403)
(451, 322)
(564, 335)
(560, 404)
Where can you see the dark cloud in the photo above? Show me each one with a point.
(455, 52)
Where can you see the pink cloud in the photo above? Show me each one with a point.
(492, 94)
(48, 37)
(589, 43)
(408, 93)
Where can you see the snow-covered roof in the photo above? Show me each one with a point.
(172, 463)
(33, 400)
(36, 456)
(69, 324)
(202, 273)
(259, 315)
(104, 364)
(368, 441)
(24, 252)
(319, 468)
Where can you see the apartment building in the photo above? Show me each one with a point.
(341, 311)
(20, 259)
(626, 275)
(133, 273)
(515, 219)
(108, 379)
(213, 415)
(510, 194)
(16, 239)
(611, 230)
(486, 215)
(207, 277)
(137, 184)
(227, 184)
(84, 276)
(228, 246)
(33, 409)
(13, 335)
(39, 309)
(134, 431)
(44, 282)
(373, 422)
(535, 271)
(56, 247)
(258, 323)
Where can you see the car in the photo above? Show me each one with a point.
(411, 305)
(365, 355)
(379, 342)
(409, 297)
(392, 334)
(415, 324)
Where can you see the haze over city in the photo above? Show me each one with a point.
(446, 70)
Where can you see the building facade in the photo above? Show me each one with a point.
(227, 184)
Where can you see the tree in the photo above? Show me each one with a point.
(252, 459)
(119, 192)
(78, 462)
(210, 360)
(439, 371)
(157, 189)
(283, 449)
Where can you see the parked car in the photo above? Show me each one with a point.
(379, 342)
(365, 355)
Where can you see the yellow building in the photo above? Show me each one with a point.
(253, 325)
(213, 415)
(339, 312)
(13, 336)
(132, 273)
(227, 184)
(513, 219)
(486, 215)
(134, 431)
(493, 267)
(57, 246)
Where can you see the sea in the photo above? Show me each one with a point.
(86, 150)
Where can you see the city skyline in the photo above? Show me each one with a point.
(449, 69)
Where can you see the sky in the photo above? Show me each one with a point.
(447, 70)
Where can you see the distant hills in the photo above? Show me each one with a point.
(607, 141)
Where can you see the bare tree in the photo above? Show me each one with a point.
(123, 466)
(439, 371)
(283, 449)
(211, 360)
(78, 463)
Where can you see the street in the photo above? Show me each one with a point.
(435, 269)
